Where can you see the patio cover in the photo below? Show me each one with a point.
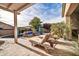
(14, 6)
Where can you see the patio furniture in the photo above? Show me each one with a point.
(42, 46)
(1, 42)
(51, 43)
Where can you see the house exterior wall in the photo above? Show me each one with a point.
(6, 32)
(5, 26)
(6, 29)
(74, 21)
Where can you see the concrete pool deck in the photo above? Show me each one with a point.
(9, 48)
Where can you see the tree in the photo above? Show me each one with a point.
(36, 24)
(59, 29)
(55, 29)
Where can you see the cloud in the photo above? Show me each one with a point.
(44, 11)
(47, 12)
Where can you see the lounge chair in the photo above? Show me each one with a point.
(51, 43)
(1, 42)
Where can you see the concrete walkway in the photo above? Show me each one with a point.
(9, 48)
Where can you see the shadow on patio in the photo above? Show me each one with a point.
(63, 48)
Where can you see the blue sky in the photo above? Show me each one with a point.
(47, 12)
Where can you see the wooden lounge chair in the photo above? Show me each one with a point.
(42, 46)
(1, 42)
(51, 43)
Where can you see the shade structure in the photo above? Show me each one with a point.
(14, 6)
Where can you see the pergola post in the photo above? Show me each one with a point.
(68, 22)
(78, 36)
(15, 27)
(67, 11)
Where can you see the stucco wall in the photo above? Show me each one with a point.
(5, 26)
(74, 21)
(6, 29)
(6, 32)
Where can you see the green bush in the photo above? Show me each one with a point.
(59, 29)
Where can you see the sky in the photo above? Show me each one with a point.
(47, 12)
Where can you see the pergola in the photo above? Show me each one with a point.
(15, 8)
(67, 10)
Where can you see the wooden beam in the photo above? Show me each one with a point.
(8, 10)
(71, 9)
(25, 6)
(9, 5)
(15, 27)
(22, 6)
